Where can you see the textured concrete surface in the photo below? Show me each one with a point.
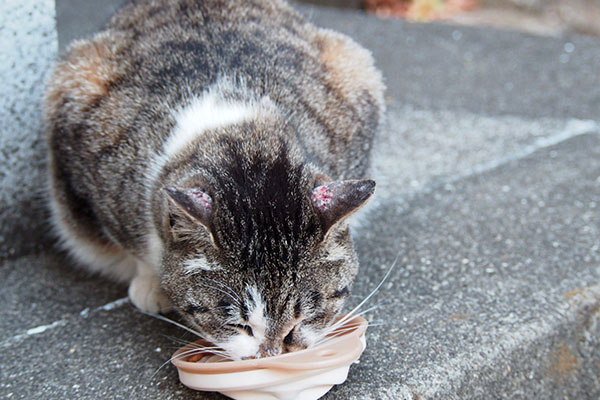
(498, 286)
(436, 66)
(28, 46)
(428, 147)
(489, 192)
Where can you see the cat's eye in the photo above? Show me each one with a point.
(343, 292)
(195, 309)
(245, 328)
(289, 338)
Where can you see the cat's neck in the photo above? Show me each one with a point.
(237, 146)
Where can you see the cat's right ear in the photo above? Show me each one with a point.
(194, 203)
(335, 201)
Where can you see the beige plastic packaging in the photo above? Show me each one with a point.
(304, 375)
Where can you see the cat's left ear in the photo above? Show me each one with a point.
(195, 203)
(335, 201)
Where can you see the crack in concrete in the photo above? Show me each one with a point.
(85, 313)
(575, 127)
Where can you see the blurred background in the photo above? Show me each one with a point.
(544, 17)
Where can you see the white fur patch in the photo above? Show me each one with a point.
(204, 113)
(256, 311)
(145, 292)
(241, 346)
(198, 264)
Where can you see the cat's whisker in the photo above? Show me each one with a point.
(331, 334)
(230, 290)
(159, 368)
(326, 334)
(200, 350)
(341, 331)
(330, 337)
(337, 325)
(188, 353)
(347, 327)
(236, 301)
(368, 310)
(162, 318)
(219, 352)
(198, 346)
(220, 307)
(212, 352)
(165, 363)
(352, 312)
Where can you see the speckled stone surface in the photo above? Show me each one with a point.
(497, 286)
(489, 193)
(429, 147)
(29, 43)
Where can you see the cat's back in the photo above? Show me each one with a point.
(172, 48)
(157, 55)
(159, 17)
(113, 102)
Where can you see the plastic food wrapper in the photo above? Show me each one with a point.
(306, 374)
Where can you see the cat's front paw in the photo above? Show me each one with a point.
(145, 293)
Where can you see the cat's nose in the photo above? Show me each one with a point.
(270, 349)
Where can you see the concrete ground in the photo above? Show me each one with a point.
(489, 190)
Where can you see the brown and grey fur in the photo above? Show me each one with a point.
(264, 264)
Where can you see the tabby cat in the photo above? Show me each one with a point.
(208, 153)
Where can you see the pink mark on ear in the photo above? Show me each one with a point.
(201, 198)
(321, 197)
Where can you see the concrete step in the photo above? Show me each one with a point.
(489, 192)
(496, 293)
(420, 148)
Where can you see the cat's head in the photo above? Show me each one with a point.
(261, 261)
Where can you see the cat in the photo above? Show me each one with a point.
(208, 153)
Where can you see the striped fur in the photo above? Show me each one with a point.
(185, 143)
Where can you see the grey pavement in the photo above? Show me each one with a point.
(487, 71)
(489, 192)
